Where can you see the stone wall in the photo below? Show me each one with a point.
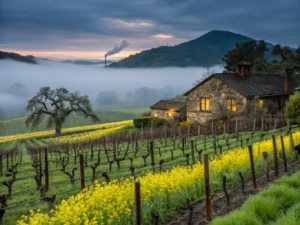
(218, 92)
(163, 113)
(273, 104)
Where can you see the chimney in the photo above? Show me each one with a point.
(286, 83)
(105, 60)
(243, 68)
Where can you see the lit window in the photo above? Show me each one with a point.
(261, 103)
(231, 104)
(204, 104)
(155, 115)
(169, 115)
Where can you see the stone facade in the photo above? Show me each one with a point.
(163, 113)
(218, 92)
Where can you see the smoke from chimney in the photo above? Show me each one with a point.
(118, 48)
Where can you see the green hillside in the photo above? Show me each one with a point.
(207, 50)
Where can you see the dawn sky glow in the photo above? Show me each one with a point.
(88, 29)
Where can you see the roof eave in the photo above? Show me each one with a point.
(199, 84)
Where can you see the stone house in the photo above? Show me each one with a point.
(169, 109)
(234, 90)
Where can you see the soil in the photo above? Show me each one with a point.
(196, 214)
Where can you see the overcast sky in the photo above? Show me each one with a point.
(89, 28)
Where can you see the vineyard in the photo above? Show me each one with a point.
(38, 171)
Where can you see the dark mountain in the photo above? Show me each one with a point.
(17, 57)
(205, 51)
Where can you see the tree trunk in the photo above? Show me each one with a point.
(58, 126)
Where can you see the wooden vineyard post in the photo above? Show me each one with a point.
(207, 188)
(1, 168)
(243, 182)
(193, 152)
(252, 166)
(7, 161)
(187, 157)
(115, 149)
(215, 148)
(82, 180)
(46, 169)
(275, 155)
(265, 155)
(225, 190)
(138, 211)
(236, 127)
(262, 124)
(283, 154)
(199, 130)
(254, 123)
(41, 166)
(292, 146)
(152, 156)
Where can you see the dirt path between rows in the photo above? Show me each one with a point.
(237, 198)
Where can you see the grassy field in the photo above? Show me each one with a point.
(276, 205)
(106, 114)
(25, 187)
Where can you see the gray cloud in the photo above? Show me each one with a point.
(37, 24)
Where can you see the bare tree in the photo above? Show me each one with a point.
(57, 104)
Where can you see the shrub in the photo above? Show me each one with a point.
(287, 196)
(292, 217)
(292, 108)
(149, 122)
(185, 123)
(265, 209)
(237, 217)
(146, 114)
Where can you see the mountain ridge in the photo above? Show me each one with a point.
(204, 51)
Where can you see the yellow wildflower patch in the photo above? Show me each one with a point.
(65, 130)
(113, 203)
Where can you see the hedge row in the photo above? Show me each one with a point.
(149, 122)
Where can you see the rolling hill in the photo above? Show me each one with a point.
(17, 57)
(204, 51)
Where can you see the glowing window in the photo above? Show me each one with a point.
(204, 104)
(261, 103)
(155, 115)
(231, 104)
(169, 115)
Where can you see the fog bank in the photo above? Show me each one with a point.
(89, 80)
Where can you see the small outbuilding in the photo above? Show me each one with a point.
(169, 109)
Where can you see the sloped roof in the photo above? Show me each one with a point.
(169, 104)
(255, 84)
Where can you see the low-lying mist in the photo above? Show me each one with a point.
(20, 81)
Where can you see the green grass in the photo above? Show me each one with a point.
(18, 126)
(277, 204)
